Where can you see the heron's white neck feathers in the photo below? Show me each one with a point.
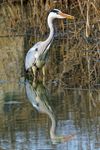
(50, 25)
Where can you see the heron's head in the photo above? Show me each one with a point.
(56, 13)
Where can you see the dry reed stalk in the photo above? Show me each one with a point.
(81, 9)
(88, 20)
(88, 67)
(97, 13)
(11, 11)
(96, 10)
(4, 11)
(22, 9)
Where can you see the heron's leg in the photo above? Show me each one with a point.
(44, 73)
(34, 69)
(44, 70)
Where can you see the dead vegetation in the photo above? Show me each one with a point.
(79, 43)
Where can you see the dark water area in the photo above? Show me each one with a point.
(34, 116)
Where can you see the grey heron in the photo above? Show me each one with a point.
(36, 57)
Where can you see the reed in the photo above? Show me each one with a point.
(80, 40)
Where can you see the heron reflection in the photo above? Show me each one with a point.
(38, 96)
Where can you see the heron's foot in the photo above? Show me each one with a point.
(34, 83)
(34, 78)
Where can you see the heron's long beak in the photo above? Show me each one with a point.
(66, 15)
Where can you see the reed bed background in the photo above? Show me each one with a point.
(75, 60)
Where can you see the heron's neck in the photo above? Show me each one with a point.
(53, 127)
(53, 124)
(51, 34)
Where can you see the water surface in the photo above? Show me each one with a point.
(37, 117)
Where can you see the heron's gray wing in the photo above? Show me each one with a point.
(31, 94)
(44, 96)
(31, 55)
(44, 51)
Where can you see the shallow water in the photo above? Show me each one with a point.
(38, 117)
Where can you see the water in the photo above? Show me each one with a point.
(38, 117)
